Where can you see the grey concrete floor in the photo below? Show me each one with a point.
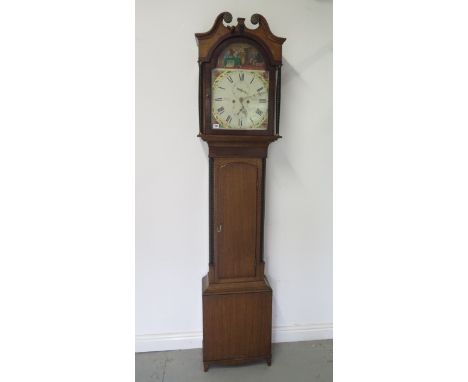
(308, 361)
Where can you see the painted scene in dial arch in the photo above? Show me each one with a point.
(241, 56)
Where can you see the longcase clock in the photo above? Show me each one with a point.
(239, 99)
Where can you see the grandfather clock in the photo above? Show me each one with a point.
(239, 100)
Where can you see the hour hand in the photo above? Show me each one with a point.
(241, 109)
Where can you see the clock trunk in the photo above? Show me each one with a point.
(237, 212)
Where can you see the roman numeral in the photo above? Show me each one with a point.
(230, 79)
(259, 112)
(262, 100)
(241, 76)
(221, 88)
(218, 99)
(228, 119)
(240, 122)
(259, 89)
(253, 77)
(221, 110)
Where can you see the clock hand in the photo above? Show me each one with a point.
(243, 91)
(242, 109)
(256, 95)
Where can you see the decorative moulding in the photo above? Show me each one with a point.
(220, 31)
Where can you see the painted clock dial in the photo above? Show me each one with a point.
(240, 86)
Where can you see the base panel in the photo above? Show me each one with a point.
(236, 324)
(240, 361)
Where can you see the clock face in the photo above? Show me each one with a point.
(239, 99)
(239, 88)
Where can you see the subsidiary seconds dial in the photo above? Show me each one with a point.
(239, 99)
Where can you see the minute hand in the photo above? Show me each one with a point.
(256, 95)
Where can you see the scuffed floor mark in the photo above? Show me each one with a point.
(164, 367)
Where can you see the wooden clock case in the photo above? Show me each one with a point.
(237, 299)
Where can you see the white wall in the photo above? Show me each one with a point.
(172, 172)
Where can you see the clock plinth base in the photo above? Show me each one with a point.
(236, 322)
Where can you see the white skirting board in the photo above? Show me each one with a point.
(192, 340)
